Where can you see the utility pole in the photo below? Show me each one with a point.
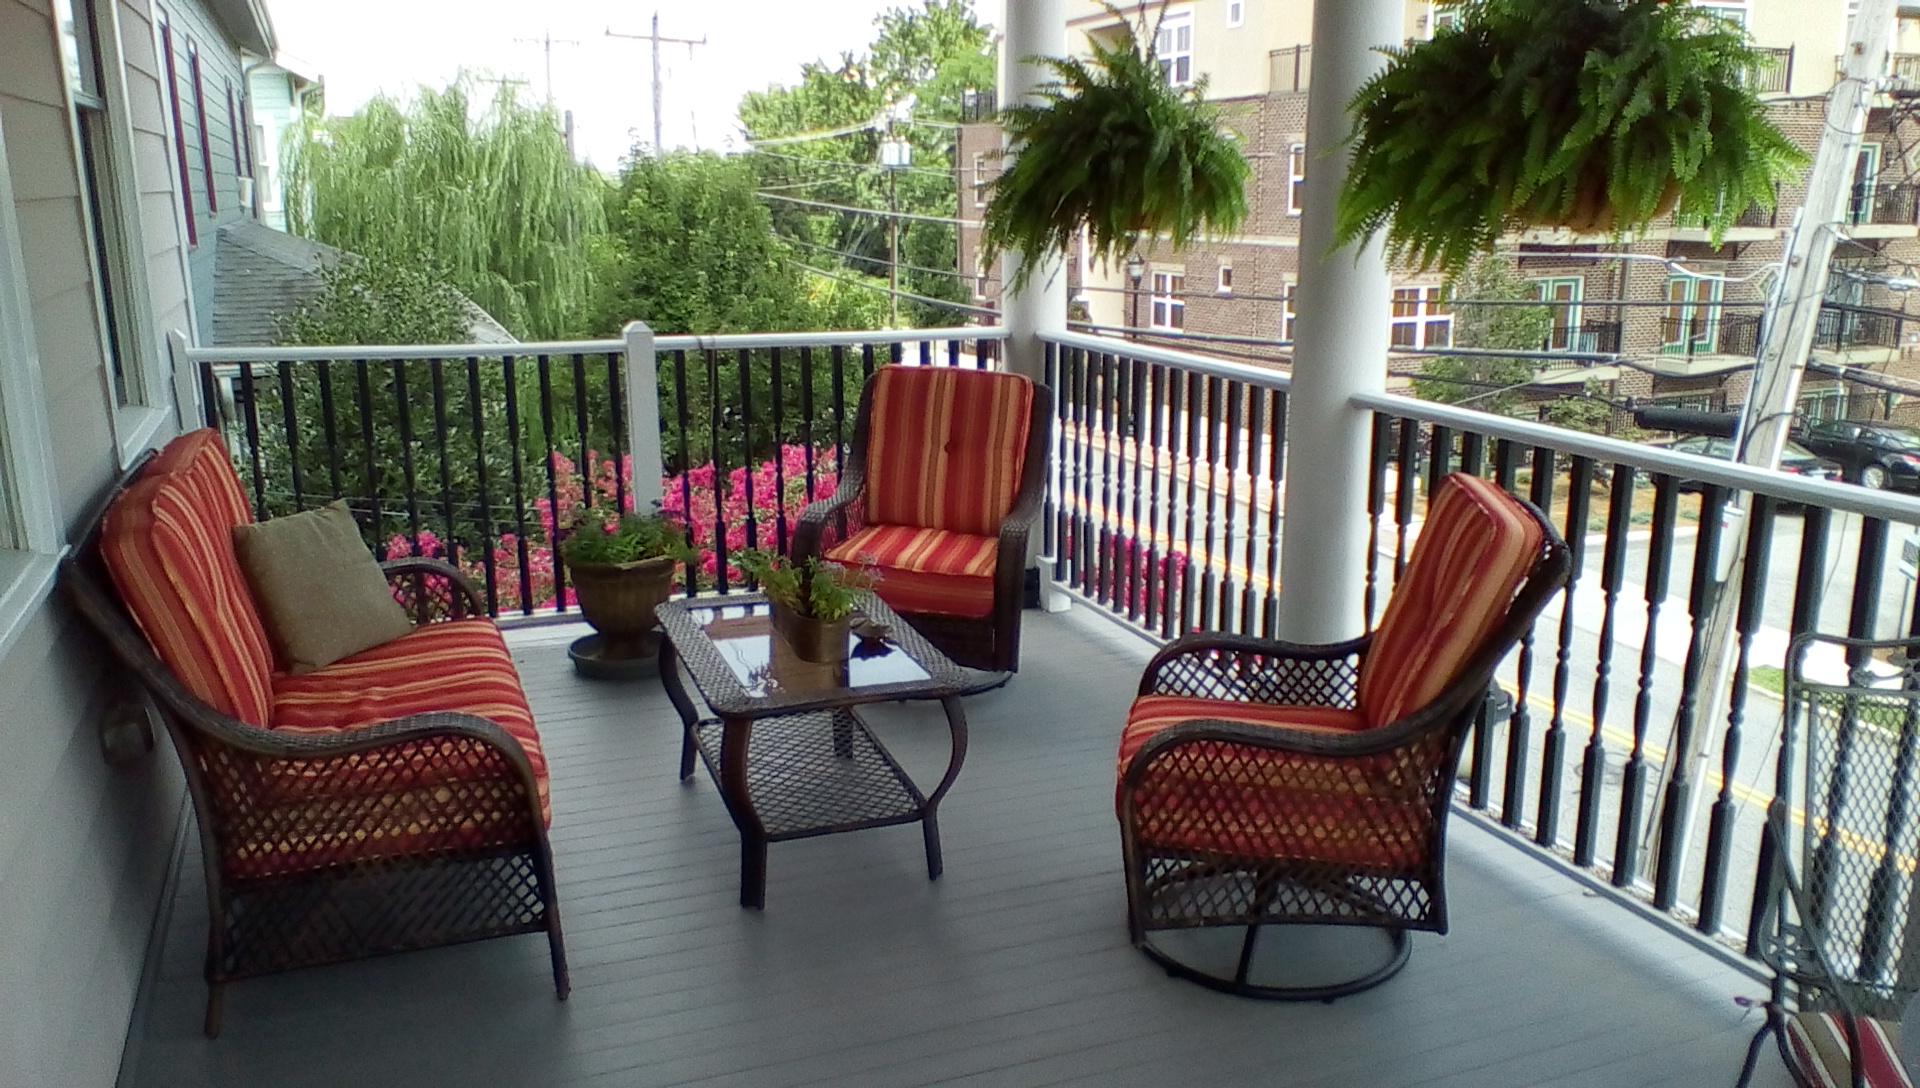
(546, 41)
(896, 154)
(656, 39)
(1792, 314)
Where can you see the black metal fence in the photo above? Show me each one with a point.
(978, 105)
(1841, 326)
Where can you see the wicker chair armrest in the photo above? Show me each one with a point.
(1215, 664)
(462, 600)
(810, 536)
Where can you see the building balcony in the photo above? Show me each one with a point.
(1601, 881)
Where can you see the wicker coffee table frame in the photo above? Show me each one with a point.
(814, 767)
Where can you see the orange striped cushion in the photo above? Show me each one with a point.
(458, 665)
(1475, 549)
(168, 542)
(1222, 798)
(947, 447)
(1819, 1044)
(927, 570)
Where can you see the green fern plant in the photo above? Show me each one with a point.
(1596, 115)
(1115, 148)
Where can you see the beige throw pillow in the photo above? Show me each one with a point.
(321, 594)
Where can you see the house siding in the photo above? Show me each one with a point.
(84, 846)
(220, 67)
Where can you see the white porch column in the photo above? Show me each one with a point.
(1340, 346)
(1035, 28)
(643, 415)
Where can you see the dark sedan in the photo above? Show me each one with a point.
(1879, 455)
(1794, 458)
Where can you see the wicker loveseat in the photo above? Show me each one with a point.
(393, 800)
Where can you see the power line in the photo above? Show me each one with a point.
(821, 134)
(928, 299)
(883, 261)
(943, 174)
(867, 211)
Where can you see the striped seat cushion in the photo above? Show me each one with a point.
(926, 570)
(1818, 1041)
(168, 544)
(1476, 547)
(1226, 799)
(946, 447)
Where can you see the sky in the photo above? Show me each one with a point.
(367, 47)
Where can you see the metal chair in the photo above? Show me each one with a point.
(1835, 919)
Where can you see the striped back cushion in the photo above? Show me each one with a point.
(1475, 549)
(946, 448)
(168, 541)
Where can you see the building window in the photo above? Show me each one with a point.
(1296, 178)
(1421, 318)
(1819, 404)
(1692, 321)
(1564, 293)
(1173, 47)
(1866, 182)
(179, 127)
(979, 275)
(1734, 10)
(200, 118)
(1225, 284)
(979, 179)
(1169, 309)
(1236, 12)
(1286, 313)
(1441, 18)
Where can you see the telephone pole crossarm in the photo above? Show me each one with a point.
(656, 38)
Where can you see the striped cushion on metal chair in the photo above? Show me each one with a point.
(168, 542)
(948, 447)
(1818, 1041)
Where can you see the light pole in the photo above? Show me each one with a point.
(1136, 270)
(896, 154)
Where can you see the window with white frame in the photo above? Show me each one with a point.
(1236, 12)
(1866, 183)
(1224, 283)
(1564, 294)
(1286, 313)
(1173, 47)
(979, 179)
(1441, 15)
(980, 274)
(1734, 10)
(1692, 319)
(1827, 403)
(1169, 309)
(1296, 178)
(1422, 318)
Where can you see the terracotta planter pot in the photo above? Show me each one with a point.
(1592, 214)
(819, 641)
(619, 599)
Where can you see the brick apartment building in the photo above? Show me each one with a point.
(1683, 340)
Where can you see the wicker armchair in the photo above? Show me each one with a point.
(348, 812)
(940, 490)
(1836, 921)
(1266, 783)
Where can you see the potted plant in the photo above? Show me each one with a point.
(1117, 149)
(1594, 115)
(814, 602)
(622, 569)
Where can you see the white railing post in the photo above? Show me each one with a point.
(1340, 347)
(643, 415)
(187, 408)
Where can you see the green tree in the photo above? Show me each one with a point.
(380, 302)
(1487, 382)
(495, 199)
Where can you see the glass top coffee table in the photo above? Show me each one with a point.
(789, 753)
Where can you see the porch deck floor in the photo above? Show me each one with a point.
(1012, 969)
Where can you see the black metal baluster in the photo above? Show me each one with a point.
(806, 414)
(1190, 453)
(329, 430)
(719, 472)
(292, 426)
(1139, 536)
(1513, 795)
(1633, 779)
(1404, 493)
(1083, 532)
(403, 414)
(1376, 509)
(1226, 457)
(1593, 764)
(617, 421)
(481, 472)
(437, 371)
(1255, 430)
(926, 352)
(775, 409)
(743, 360)
(682, 414)
(209, 398)
(588, 471)
(1276, 465)
(1553, 754)
(1210, 460)
(543, 368)
(840, 401)
(363, 382)
(522, 556)
(249, 394)
(1677, 797)
(1753, 591)
(1051, 509)
(1473, 453)
(1159, 563)
(1107, 577)
(1439, 460)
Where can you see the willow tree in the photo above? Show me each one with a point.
(493, 196)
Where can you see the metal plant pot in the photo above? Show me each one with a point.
(618, 599)
(820, 641)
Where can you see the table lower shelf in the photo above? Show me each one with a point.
(817, 773)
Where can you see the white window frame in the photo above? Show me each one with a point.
(1438, 17)
(1864, 184)
(979, 179)
(1223, 279)
(1236, 13)
(1680, 313)
(1287, 314)
(1175, 31)
(1565, 333)
(1736, 10)
(33, 541)
(1427, 313)
(1296, 178)
(138, 419)
(1168, 308)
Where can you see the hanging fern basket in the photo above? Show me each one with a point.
(1594, 115)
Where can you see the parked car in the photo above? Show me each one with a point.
(1794, 458)
(1879, 455)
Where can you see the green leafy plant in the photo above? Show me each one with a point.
(811, 587)
(1115, 148)
(1596, 115)
(597, 538)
